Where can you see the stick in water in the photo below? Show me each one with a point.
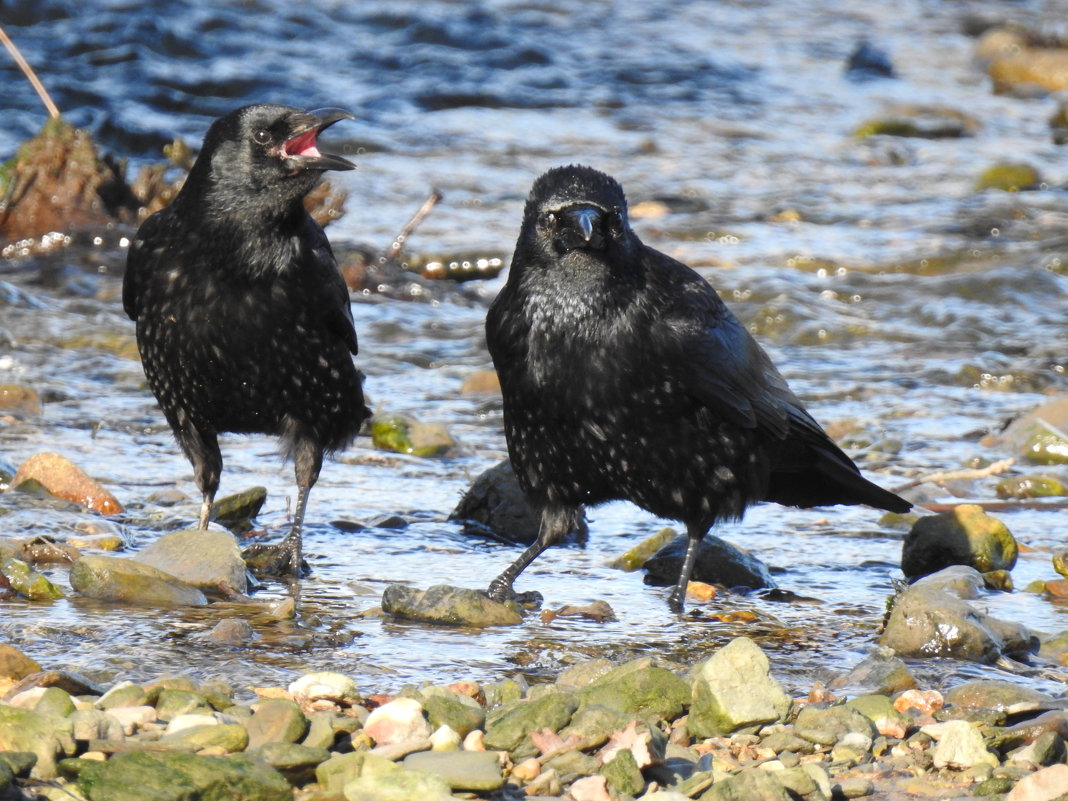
(31, 76)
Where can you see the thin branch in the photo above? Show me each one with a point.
(31, 76)
(980, 472)
(399, 240)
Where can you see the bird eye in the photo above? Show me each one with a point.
(547, 220)
(261, 137)
(616, 221)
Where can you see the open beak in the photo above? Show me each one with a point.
(301, 148)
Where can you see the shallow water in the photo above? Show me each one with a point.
(899, 298)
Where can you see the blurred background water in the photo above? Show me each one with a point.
(889, 290)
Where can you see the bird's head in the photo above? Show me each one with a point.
(267, 153)
(576, 210)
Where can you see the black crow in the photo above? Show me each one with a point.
(625, 376)
(243, 320)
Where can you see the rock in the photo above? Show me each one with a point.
(1047, 749)
(20, 400)
(1026, 68)
(275, 720)
(452, 606)
(405, 435)
(110, 578)
(172, 703)
(70, 681)
(63, 479)
(927, 622)
(961, 746)
(473, 771)
(446, 708)
(853, 787)
(594, 725)
(95, 724)
(54, 702)
(481, 382)
(597, 611)
(132, 718)
(229, 737)
(1060, 562)
(1008, 177)
(733, 690)
(1030, 486)
(964, 536)
(27, 582)
(336, 689)
(232, 631)
(917, 121)
(881, 672)
(340, 769)
(1027, 731)
(508, 726)
(296, 762)
(236, 512)
(1040, 436)
(827, 726)
(399, 721)
(14, 664)
(42, 735)
(7, 778)
(636, 557)
(748, 785)
(960, 580)
(879, 709)
(583, 673)
(192, 720)
(869, 61)
(445, 738)
(999, 695)
(178, 776)
(208, 560)
(718, 562)
(125, 693)
(1043, 785)
(399, 785)
(622, 774)
(640, 689)
(495, 506)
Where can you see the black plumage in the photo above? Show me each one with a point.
(243, 320)
(625, 376)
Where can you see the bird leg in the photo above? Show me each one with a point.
(285, 558)
(556, 523)
(205, 512)
(202, 450)
(677, 599)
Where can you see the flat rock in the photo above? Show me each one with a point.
(64, 479)
(110, 578)
(1000, 695)
(208, 559)
(296, 762)
(230, 737)
(341, 769)
(452, 606)
(399, 785)
(734, 690)
(1043, 785)
(477, 771)
(179, 776)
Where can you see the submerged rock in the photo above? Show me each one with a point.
(882, 671)
(237, 511)
(20, 399)
(636, 557)
(964, 536)
(405, 435)
(27, 582)
(64, 479)
(1008, 178)
(734, 690)
(110, 578)
(495, 506)
(718, 562)
(452, 606)
(209, 559)
(1040, 436)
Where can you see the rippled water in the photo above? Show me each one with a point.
(889, 292)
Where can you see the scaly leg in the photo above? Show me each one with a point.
(677, 599)
(556, 523)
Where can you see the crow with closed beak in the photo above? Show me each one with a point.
(625, 376)
(243, 320)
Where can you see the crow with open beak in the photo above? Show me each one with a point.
(243, 320)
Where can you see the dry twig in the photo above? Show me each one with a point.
(31, 76)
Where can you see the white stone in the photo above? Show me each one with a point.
(962, 746)
(325, 685)
(181, 722)
(132, 717)
(398, 721)
(445, 738)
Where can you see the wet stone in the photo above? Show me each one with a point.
(881, 672)
(474, 771)
(452, 606)
(718, 562)
(109, 578)
(1003, 696)
(232, 631)
(583, 673)
(964, 536)
(64, 479)
(405, 435)
(27, 582)
(236, 512)
(636, 557)
(733, 690)
(207, 560)
(1047, 749)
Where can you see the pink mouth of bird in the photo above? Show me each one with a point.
(302, 145)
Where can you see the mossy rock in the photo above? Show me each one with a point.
(1030, 487)
(404, 435)
(965, 535)
(1009, 178)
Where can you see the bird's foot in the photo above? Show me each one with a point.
(500, 591)
(503, 593)
(283, 560)
(677, 601)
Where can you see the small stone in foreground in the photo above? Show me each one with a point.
(452, 606)
(476, 771)
(961, 746)
(276, 720)
(399, 785)
(1044, 785)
